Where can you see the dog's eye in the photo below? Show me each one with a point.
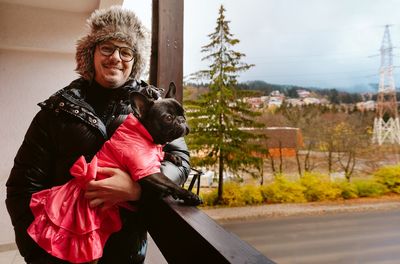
(169, 118)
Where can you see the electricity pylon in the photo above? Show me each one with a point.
(386, 122)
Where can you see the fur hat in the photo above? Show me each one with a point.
(117, 24)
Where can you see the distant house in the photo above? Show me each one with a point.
(303, 93)
(366, 106)
(276, 93)
(283, 140)
(294, 102)
(264, 98)
(311, 100)
(274, 102)
(255, 102)
(275, 99)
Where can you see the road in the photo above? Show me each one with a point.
(368, 237)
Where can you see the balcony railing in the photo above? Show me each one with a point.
(185, 234)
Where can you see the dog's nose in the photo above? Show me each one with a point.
(181, 119)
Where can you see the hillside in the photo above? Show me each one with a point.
(337, 96)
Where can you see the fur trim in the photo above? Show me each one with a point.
(117, 24)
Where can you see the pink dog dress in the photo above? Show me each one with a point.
(64, 225)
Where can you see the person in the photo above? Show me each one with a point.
(76, 121)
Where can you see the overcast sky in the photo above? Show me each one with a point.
(317, 43)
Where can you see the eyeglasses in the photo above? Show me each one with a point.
(125, 53)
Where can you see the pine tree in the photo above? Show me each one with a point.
(219, 119)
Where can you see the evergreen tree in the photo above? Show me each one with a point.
(219, 119)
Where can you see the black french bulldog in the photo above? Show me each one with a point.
(165, 121)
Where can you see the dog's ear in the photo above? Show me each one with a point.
(151, 92)
(171, 90)
(140, 103)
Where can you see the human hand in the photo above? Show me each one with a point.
(117, 188)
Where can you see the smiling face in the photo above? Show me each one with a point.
(111, 71)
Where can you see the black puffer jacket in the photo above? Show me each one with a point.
(66, 128)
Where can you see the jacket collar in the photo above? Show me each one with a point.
(71, 100)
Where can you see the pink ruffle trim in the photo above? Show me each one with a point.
(65, 226)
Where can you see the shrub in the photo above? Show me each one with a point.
(209, 199)
(348, 190)
(370, 188)
(233, 194)
(390, 177)
(252, 194)
(318, 187)
(311, 187)
(283, 191)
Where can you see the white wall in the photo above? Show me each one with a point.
(36, 58)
